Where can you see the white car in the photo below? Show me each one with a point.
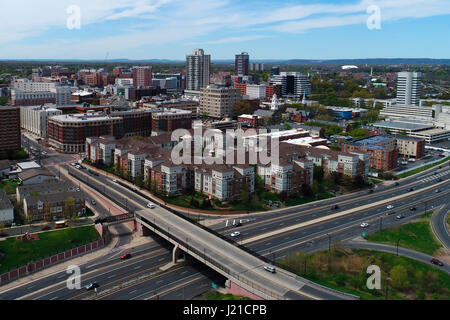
(150, 205)
(44, 153)
(78, 166)
(73, 164)
(389, 207)
(114, 180)
(235, 234)
(364, 225)
(269, 269)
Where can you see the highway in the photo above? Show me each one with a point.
(302, 240)
(307, 239)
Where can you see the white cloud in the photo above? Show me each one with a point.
(156, 22)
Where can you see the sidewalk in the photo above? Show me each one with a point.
(59, 267)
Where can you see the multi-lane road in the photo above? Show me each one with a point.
(309, 238)
(141, 278)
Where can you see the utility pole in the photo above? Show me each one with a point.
(397, 246)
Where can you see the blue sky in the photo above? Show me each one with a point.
(266, 29)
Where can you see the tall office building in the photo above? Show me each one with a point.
(10, 128)
(241, 64)
(293, 84)
(142, 76)
(256, 66)
(198, 70)
(409, 87)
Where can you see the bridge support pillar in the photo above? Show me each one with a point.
(234, 289)
(175, 253)
(141, 229)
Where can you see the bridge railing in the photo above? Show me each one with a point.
(202, 255)
(215, 233)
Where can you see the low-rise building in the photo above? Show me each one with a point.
(382, 150)
(50, 186)
(6, 209)
(5, 168)
(54, 205)
(34, 176)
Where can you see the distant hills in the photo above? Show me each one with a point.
(376, 61)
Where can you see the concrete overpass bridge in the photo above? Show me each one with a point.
(243, 268)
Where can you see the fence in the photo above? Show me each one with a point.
(30, 268)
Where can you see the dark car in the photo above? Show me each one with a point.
(439, 180)
(436, 262)
(400, 216)
(125, 256)
(397, 184)
(90, 171)
(92, 285)
(410, 189)
(335, 207)
(371, 191)
(46, 228)
(412, 209)
(238, 225)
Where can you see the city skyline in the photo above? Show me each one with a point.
(170, 29)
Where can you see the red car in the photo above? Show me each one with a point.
(46, 228)
(437, 262)
(125, 256)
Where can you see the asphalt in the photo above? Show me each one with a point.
(415, 255)
(194, 282)
(439, 225)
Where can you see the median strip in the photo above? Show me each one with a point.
(338, 215)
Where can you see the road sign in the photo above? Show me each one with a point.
(364, 234)
(214, 285)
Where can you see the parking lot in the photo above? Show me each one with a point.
(430, 155)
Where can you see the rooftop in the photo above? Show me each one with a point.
(5, 203)
(401, 125)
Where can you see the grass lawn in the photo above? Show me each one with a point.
(17, 253)
(185, 202)
(214, 295)
(410, 173)
(417, 236)
(345, 270)
(297, 201)
(88, 213)
(9, 186)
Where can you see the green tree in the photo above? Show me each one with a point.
(3, 100)
(259, 184)
(318, 173)
(242, 107)
(399, 276)
(69, 207)
(140, 181)
(245, 194)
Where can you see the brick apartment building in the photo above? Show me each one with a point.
(10, 137)
(54, 205)
(381, 149)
